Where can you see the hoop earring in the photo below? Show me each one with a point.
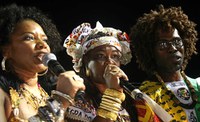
(45, 72)
(3, 64)
(87, 72)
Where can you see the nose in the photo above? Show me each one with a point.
(40, 44)
(172, 47)
(109, 60)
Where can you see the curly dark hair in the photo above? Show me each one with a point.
(11, 14)
(143, 34)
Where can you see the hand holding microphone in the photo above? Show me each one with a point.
(69, 86)
(116, 78)
(68, 81)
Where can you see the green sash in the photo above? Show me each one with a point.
(196, 86)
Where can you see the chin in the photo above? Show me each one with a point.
(43, 69)
(177, 67)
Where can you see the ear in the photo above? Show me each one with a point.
(6, 51)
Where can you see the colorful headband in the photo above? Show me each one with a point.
(78, 43)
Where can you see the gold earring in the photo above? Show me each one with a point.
(3, 63)
(87, 72)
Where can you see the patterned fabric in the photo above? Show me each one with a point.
(79, 42)
(145, 113)
(160, 95)
(85, 112)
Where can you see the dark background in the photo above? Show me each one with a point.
(120, 14)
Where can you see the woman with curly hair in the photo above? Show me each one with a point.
(26, 35)
(164, 40)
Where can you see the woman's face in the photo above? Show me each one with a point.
(98, 58)
(28, 45)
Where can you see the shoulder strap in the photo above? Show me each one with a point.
(162, 114)
(156, 108)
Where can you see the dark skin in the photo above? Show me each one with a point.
(105, 60)
(169, 60)
(104, 70)
(28, 45)
(26, 35)
(103, 63)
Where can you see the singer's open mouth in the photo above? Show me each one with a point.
(39, 56)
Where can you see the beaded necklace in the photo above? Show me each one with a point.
(31, 99)
(190, 87)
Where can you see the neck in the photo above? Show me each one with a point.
(29, 78)
(170, 76)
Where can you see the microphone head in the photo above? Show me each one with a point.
(47, 57)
